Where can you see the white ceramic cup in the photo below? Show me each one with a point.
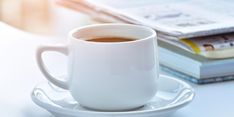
(110, 76)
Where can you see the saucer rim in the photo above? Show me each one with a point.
(57, 109)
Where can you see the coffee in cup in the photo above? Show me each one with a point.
(110, 39)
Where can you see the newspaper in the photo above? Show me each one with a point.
(178, 18)
(183, 23)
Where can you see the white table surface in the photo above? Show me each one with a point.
(19, 74)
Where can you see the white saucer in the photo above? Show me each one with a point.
(173, 94)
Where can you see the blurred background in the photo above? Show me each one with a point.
(42, 17)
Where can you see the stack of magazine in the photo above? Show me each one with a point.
(195, 37)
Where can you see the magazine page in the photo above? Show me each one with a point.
(179, 18)
(210, 43)
(212, 47)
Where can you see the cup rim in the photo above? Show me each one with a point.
(152, 31)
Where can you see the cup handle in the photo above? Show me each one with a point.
(56, 81)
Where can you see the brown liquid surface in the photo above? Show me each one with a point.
(110, 39)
